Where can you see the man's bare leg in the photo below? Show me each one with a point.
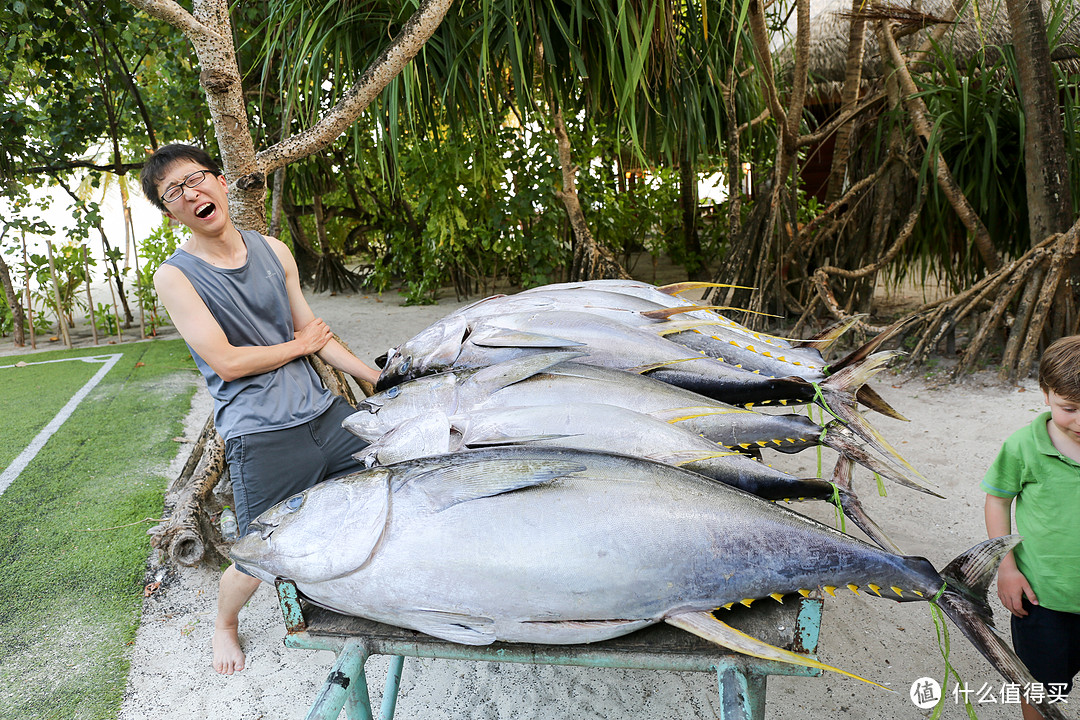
(234, 590)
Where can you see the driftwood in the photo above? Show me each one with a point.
(190, 533)
(188, 525)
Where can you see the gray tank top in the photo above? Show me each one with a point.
(251, 305)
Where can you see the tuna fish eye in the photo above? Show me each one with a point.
(294, 503)
(405, 365)
(393, 392)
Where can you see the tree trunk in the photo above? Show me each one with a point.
(118, 280)
(849, 96)
(1046, 165)
(56, 297)
(18, 320)
(26, 290)
(688, 200)
(132, 245)
(591, 260)
(89, 296)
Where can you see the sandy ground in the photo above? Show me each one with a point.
(953, 434)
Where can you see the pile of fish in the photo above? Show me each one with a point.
(577, 461)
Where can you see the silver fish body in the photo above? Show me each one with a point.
(659, 298)
(602, 341)
(699, 329)
(551, 545)
(588, 426)
(553, 378)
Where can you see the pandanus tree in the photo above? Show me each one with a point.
(661, 75)
(961, 133)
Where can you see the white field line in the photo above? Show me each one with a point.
(19, 464)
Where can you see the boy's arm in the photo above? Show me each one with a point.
(332, 352)
(201, 331)
(1012, 585)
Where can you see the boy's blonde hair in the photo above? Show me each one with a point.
(1059, 368)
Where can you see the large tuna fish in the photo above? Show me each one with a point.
(659, 310)
(549, 379)
(607, 428)
(560, 546)
(454, 342)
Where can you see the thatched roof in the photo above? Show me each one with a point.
(983, 25)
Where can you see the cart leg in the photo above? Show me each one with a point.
(346, 686)
(390, 692)
(742, 696)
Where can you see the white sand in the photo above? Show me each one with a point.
(953, 435)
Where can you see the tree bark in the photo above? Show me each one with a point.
(849, 96)
(1046, 164)
(18, 319)
(60, 320)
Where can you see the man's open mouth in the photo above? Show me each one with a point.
(204, 211)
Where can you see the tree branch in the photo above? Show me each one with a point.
(402, 49)
(172, 13)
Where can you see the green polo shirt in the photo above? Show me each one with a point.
(1046, 485)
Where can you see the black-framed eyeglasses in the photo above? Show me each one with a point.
(173, 192)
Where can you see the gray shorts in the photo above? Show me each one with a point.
(268, 467)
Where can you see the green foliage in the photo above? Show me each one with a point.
(153, 250)
(978, 131)
(978, 126)
(70, 276)
(83, 71)
(482, 210)
(105, 319)
(7, 321)
(637, 211)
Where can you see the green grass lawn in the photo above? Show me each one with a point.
(71, 589)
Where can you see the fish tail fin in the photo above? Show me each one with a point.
(967, 579)
(837, 395)
(854, 377)
(828, 337)
(844, 441)
(874, 344)
(852, 507)
(869, 397)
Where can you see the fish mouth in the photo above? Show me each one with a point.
(205, 210)
(263, 530)
(368, 406)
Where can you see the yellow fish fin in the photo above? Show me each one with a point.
(704, 625)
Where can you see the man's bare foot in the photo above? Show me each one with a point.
(228, 657)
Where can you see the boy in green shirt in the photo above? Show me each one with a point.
(1039, 582)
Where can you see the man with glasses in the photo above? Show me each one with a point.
(234, 296)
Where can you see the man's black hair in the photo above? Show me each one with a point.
(154, 169)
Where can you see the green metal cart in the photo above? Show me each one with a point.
(792, 625)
